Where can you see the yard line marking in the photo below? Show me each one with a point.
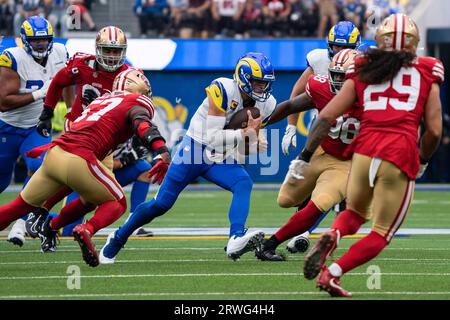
(193, 275)
(204, 260)
(203, 249)
(259, 293)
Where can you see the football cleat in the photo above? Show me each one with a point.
(268, 254)
(315, 259)
(250, 241)
(48, 236)
(327, 282)
(83, 237)
(110, 249)
(35, 221)
(142, 232)
(298, 244)
(17, 234)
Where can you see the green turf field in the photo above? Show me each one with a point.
(413, 267)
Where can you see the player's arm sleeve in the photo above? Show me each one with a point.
(216, 91)
(7, 60)
(62, 79)
(438, 72)
(140, 120)
(216, 134)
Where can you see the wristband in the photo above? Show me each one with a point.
(305, 155)
(38, 95)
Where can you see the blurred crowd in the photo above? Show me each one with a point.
(210, 18)
(256, 18)
(60, 13)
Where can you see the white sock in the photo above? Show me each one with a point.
(335, 270)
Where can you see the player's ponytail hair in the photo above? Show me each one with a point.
(382, 66)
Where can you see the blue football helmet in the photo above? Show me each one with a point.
(254, 66)
(344, 34)
(37, 28)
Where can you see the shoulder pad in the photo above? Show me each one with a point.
(216, 90)
(7, 60)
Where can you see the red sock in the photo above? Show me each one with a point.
(362, 251)
(70, 213)
(14, 210)
(300, 222)
(347, 222)
(106, 214)
(57, 197)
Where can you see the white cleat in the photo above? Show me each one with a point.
(299, 243)
(102, 259)
(17, 233)
(250, 241)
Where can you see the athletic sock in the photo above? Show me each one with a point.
(14, 210)
(362, 251)
(138, 194)
(347, 222)
(300, 222)
(106, 214)
(71, 212)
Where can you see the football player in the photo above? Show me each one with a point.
(130, 167)
(344, 35)
(93, 76)
(396, 90)
(326, 178)
(25, 75)
(203, 152)
(74, 160)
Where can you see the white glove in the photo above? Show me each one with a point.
(263, 144)
(289, 138)
(42, 92)
(297, 168)
(422, 169)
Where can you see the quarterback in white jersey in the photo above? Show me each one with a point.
(25, 74)
(252, 86)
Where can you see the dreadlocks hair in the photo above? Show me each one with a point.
(382, 66)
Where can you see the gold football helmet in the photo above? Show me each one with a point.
(398, 32)
(338, 67)
(111, 48)
(132, 81)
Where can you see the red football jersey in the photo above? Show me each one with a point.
(103, 126)
(344, 129)
(392, 113)
(80, 71)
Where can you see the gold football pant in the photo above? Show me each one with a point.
(93, 182)
(325, 180)
(390, 196)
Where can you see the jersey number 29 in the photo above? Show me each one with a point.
(406, 83)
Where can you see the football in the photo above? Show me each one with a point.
(240, 118)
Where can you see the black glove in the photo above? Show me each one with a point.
(128, 158)
(138, 147)
(90, 94)
(44, 126)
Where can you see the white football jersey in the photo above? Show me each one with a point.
(230, 102)
(32, 77)
(319, 60)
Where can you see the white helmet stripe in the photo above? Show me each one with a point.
(399, 31)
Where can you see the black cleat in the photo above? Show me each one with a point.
(48, 236)
(16, 241)
(142, 232)
(35, 221)
(269, 255)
